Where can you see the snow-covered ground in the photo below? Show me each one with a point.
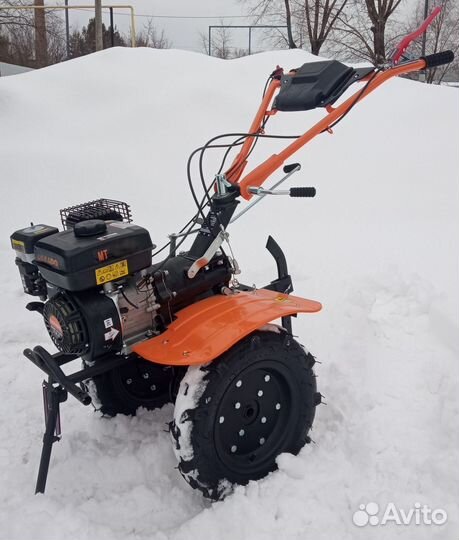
(378, 246)
(7, 69)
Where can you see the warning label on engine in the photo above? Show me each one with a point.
(112, 271)
(18, 245)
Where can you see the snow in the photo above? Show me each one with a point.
(191, 389)
(7, 69)
(378, 247)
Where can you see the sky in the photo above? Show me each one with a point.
(184, 33)
(184, 22)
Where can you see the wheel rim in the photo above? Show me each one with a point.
(254, 420)
(144, 381)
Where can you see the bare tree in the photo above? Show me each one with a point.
(41, 45)
(276, 12)
(220, 43)
(365, 30)
(320, 18)
(288, 22)
(19, 41)
(84, 42)
(379, 13)
(315, 18)
(10, 17)
(150, 37)
(239, 52)
(441, 35)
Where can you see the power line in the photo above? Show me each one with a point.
(178, 16)
(197, 16)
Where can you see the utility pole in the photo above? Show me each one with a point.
(67, 30)
(426, 13)
(112, 29)
(98, 25)
(41, 44)
(423, 74)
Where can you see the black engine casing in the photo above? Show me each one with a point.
(103, 293)
(77, 263)
(83, 323)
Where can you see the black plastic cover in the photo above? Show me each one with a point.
(79, 263)
(315, 84)
(90, 227)
(24, 240)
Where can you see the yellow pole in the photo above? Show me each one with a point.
(133, 44)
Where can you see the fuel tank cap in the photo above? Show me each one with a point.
(89, 227)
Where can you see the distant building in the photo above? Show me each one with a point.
(12, 69)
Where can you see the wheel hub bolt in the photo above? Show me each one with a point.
(262, 440)
(153, 387)
(233, 448)
(221, 419)
(260, 393)
(237, 405)
(239, 383)
(241, 433)
(263, 419)
(278, 406)
(145, 375)
(267, 378)
(128, 381)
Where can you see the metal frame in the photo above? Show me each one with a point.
(257, 176)
(55, 392)
(249, 26)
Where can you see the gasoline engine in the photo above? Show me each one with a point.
(100, 293)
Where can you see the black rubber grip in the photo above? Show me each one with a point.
(291, 167)
(302, 192)
(438, 59)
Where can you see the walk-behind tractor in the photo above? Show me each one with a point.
(182, 329)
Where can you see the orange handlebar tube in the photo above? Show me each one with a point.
(240, 161)
(259, 175)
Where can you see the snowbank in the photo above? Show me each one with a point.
(378, 246)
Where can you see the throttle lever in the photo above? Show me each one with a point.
(288, 170)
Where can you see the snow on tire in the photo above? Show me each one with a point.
(234, 416)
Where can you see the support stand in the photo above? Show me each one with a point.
(56, 390)
(53, 395)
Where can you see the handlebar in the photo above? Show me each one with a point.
(438, 59)
(249, 183)
(256, 177)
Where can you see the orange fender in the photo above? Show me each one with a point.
(208, 328)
